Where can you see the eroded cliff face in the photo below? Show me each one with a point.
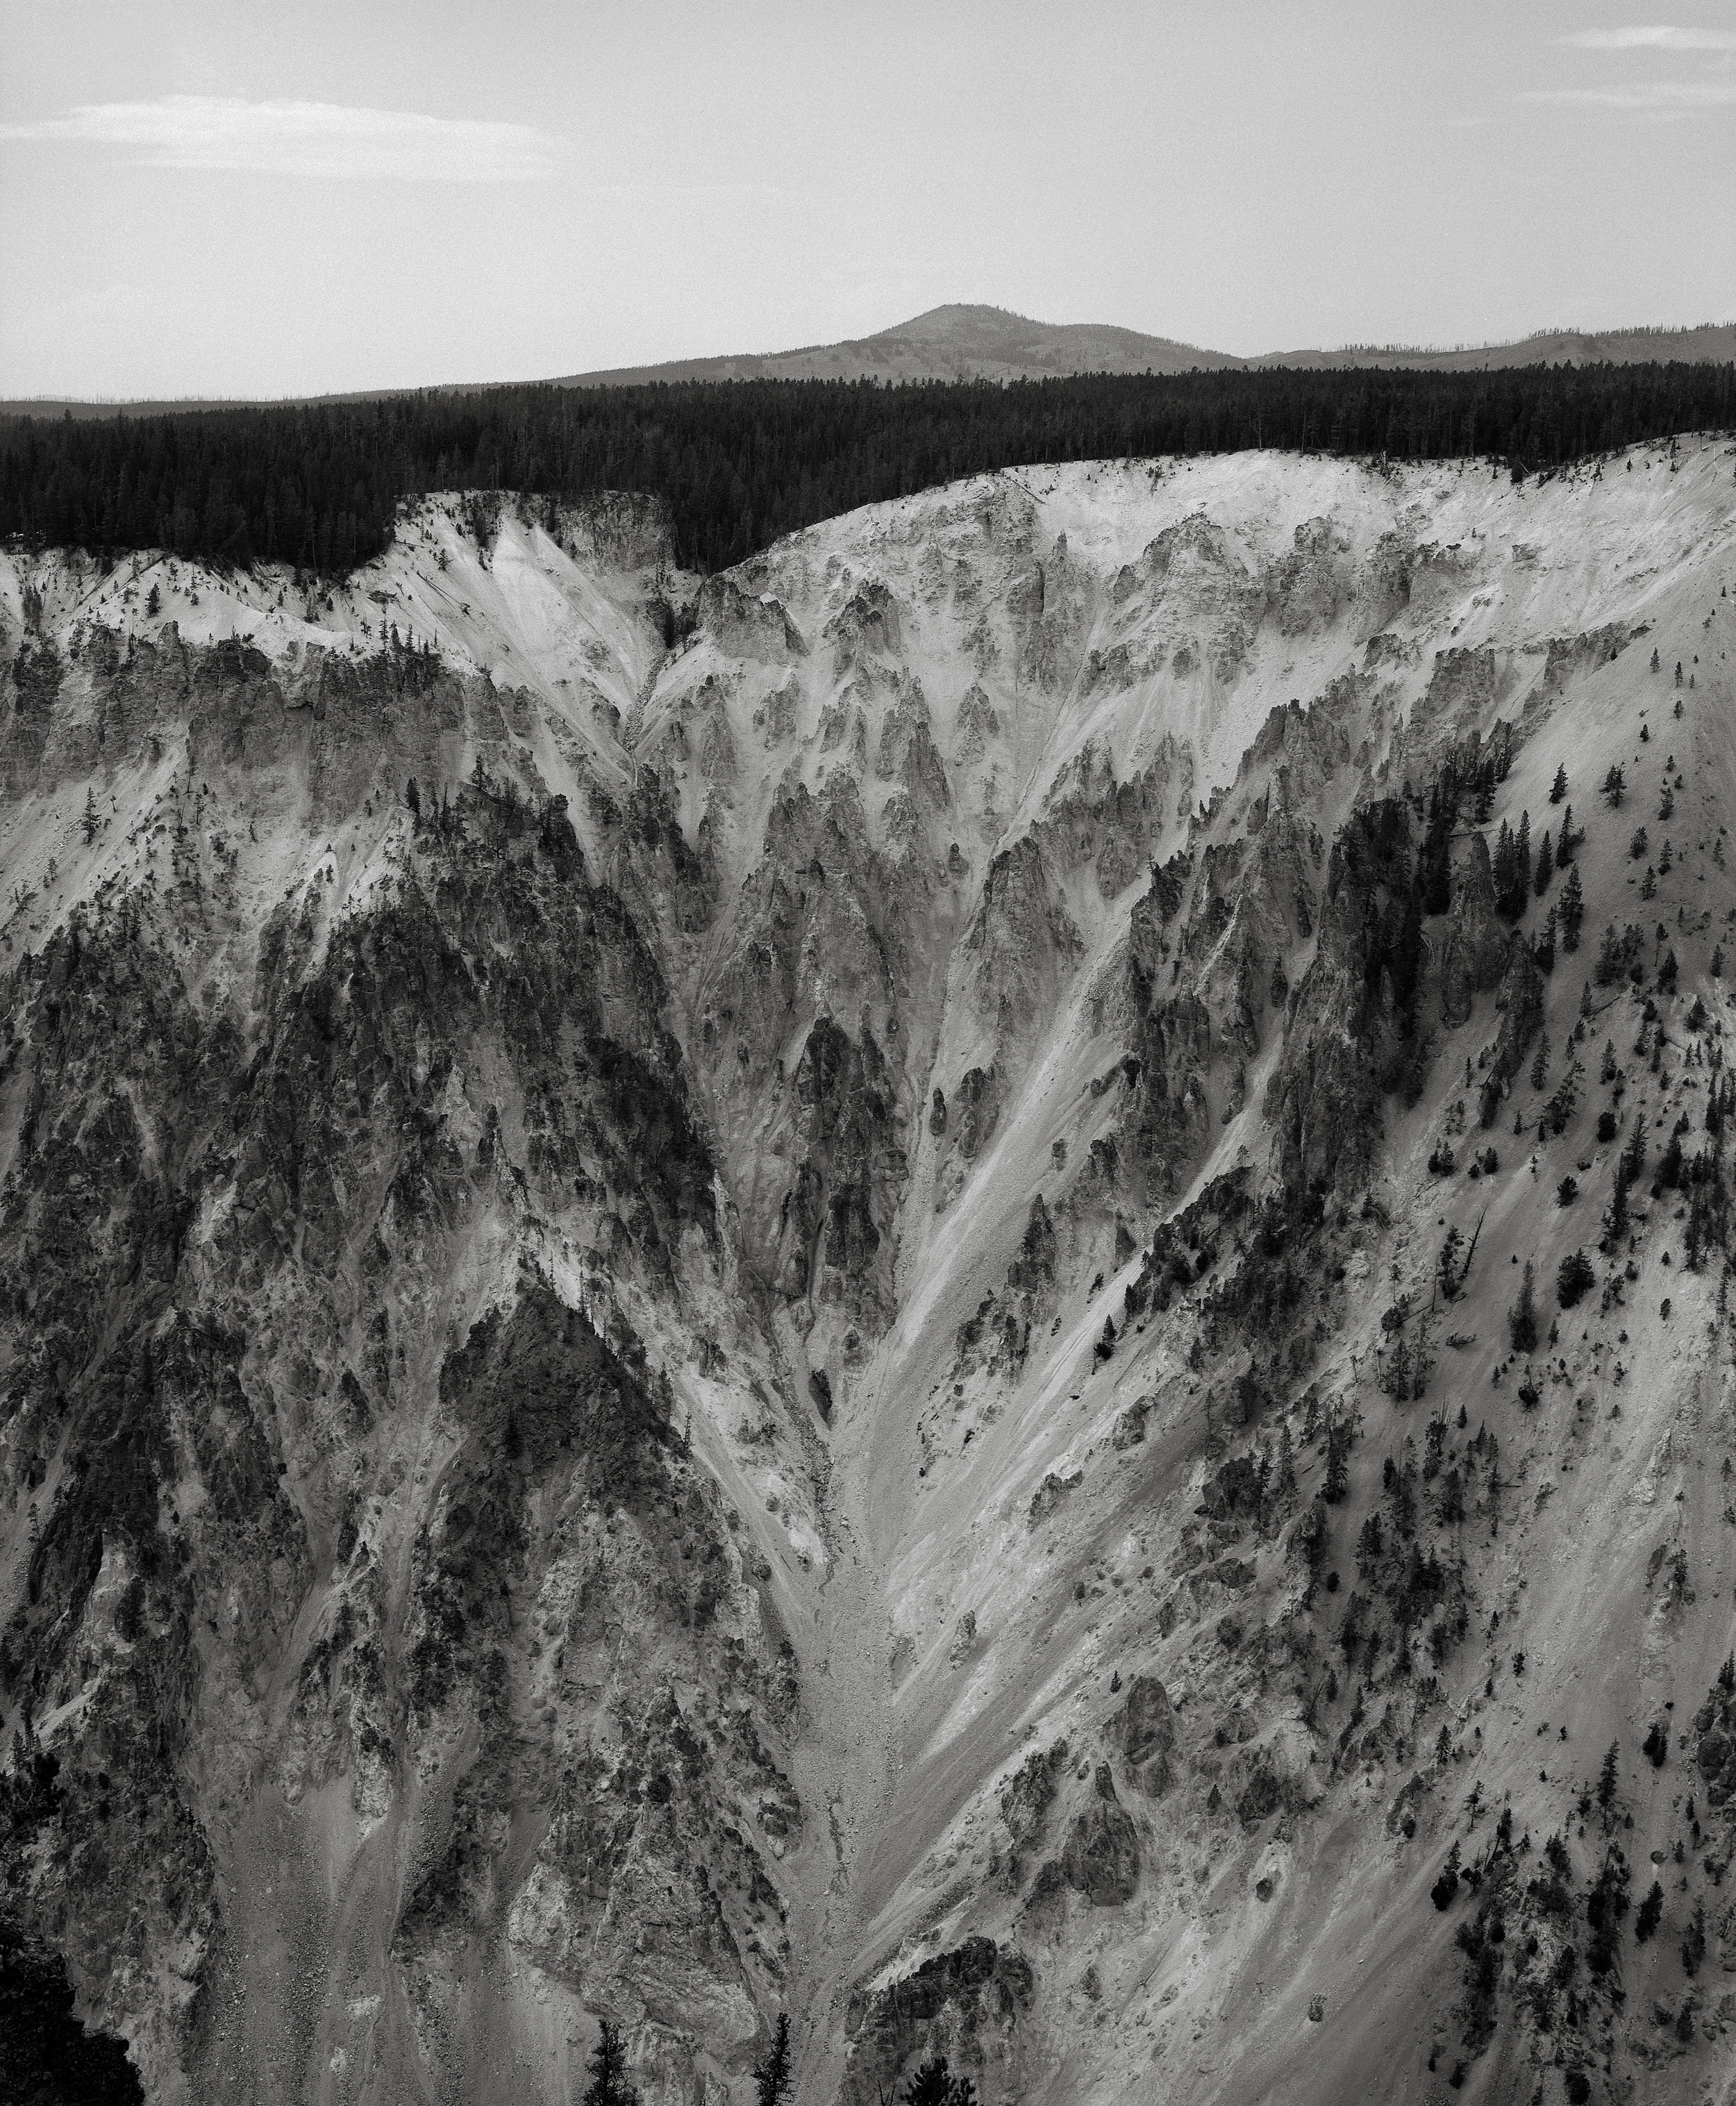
(732, 1298)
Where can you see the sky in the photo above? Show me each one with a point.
(224, 198)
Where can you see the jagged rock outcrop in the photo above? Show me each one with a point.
(1144, 1732)
(750, 626)
(970, 2000)
(1474, 948)
(829, 1245)
(1022, 940)
(1354, 1008)
(1101, 1858)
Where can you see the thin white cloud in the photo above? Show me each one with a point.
(1654, 38)
(1652, 95)
(330, 139)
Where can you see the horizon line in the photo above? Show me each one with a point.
(1388, 348)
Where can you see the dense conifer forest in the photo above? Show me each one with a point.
(741, 462)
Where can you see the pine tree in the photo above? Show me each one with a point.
(1572, 1277)
(1558, 788)
(774, 2075)
(1501, 865)
(1545, 864)
(1522, 1319)
(1407, 961)
(1335, 1480)
(1544, 949)
(1521, 865)
(1652, 1908)
(1434, 865)
(1633, 1155)
(154, 604)
(89, 821)
(934, 2085)
(1615, 1224)
(608, 2085)
(1615, 788)
(1693, 1945)
(1606, 1777)
(1572, 911)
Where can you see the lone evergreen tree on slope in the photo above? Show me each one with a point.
(773, 2075)
(608, 2085)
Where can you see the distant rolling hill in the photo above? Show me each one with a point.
(1712, 343)
(946, 344)
(971, 342)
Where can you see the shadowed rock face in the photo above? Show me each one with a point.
(828, 1330)
(42, 2043)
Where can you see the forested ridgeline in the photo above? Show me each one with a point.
(740, 462)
